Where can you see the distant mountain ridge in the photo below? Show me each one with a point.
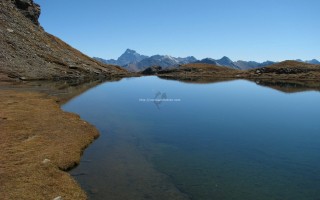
(133, 61)
(128, 57)
(224, 61)
(159, 60)
(313, 61)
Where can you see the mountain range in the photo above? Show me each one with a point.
(133, 61)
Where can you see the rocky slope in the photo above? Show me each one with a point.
(28, 52)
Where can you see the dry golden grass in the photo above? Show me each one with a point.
(199, 72)
(295, 65)
(283, 71)
(39, 141)
(287, 70)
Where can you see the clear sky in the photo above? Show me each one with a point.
(240, 29)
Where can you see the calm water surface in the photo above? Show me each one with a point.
(165, 139)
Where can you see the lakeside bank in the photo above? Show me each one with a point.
(39, 143)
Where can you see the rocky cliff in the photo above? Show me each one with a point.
(27, 52)
(29, 9)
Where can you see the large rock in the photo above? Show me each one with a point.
(29, 9)
(152, 70)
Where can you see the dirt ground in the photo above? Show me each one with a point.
(39, 142)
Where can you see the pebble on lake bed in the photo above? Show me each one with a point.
(45, 161)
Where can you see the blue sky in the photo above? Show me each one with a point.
(242, 30)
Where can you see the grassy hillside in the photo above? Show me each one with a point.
(287, 70)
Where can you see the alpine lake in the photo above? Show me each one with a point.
(219, 140)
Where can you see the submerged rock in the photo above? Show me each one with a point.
(58, 198)
(45, 161)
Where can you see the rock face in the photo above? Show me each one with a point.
(29, 53)
(130, 56)
(29, 9)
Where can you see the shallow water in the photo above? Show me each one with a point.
(164, 139)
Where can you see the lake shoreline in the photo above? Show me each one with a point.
(40, 144)
(34, 159)
(223, 140)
